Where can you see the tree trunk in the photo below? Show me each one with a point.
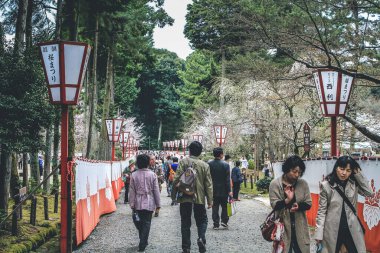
(47, 165)
(14, 185)
(58, 21)
(29, 28)
(73, 34)
(55, 152)
(372, 136)
(34, 168)
(2, 39)
(25, 170)
(93, 92)
(159, 135)
(222, 84)
(20, 26)
(5, 177)
(104, 146)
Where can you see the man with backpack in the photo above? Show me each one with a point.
(193, 184)
(220, 173)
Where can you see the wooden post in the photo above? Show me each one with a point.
(56, 195)
(251, 181)
(33, 210)
(15, 229)
(46, 207)
(245, 181)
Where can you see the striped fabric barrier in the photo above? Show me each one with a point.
(97, 186)
(368, 208)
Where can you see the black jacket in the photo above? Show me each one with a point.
(220, 174)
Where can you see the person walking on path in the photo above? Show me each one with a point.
(144, 198)
(220, 174)
(203, 190)
(172, 172)
(290, 197)
(127, 178)
(338, 227)
(237, 179)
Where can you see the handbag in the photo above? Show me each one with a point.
(231, 208)
(268, 226)
(348, 202)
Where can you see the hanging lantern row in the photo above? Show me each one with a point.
(198, 137)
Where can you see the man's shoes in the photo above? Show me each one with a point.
(215, 227)
(155, 214)
(224, 225)
(186, 251)
(201, 245)
(172, 204)
(141, 250)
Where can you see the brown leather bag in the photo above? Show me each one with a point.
(268, 226)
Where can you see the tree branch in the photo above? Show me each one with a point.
(372, 136)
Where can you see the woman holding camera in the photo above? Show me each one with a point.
(338, 227)
(290, 198)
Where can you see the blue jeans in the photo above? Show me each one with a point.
(200, 217)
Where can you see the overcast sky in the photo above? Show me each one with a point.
(172, 37)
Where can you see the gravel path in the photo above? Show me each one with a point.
(116, 232)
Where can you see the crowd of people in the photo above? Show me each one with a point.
(195, 185)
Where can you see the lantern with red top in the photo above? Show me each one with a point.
(184, 145)
(220, 134)
(130, 145)
(334, 90)
(198, 137)
(124, 136)
(64, 64)
(114, 127)
(176, 144)
(171, 144)
(137, 144)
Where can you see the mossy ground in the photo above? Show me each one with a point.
(30, 237)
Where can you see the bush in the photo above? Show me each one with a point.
(251, 164)
(263, 184)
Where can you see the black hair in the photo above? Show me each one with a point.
(342, 162)
(227, 157)
(195, 148)
(175, 159)
(237, 163)
(142, 161)
(292, 162)
(217, 151)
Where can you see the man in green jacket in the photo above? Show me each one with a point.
(203, 190)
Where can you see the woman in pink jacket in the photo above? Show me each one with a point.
(144, 198)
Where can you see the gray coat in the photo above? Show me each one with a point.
(330, 210)
(302, 193)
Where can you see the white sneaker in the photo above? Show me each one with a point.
(224, 225)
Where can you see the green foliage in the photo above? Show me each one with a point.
(24, 104)
(263, 184)
(157, 100)
(197, 78)
(251, 164)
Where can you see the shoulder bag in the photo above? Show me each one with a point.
(348, 202)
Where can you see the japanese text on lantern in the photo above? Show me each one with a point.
(50, 53)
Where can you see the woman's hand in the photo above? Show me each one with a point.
(294, 208)
(289, 192)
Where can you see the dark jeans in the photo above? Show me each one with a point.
(219, 201)
(126, 186)
(345, 237)
(143, 226)
(200, 217)
(236, 190)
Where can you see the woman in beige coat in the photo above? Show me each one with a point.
(338, 228)
(290, 196)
